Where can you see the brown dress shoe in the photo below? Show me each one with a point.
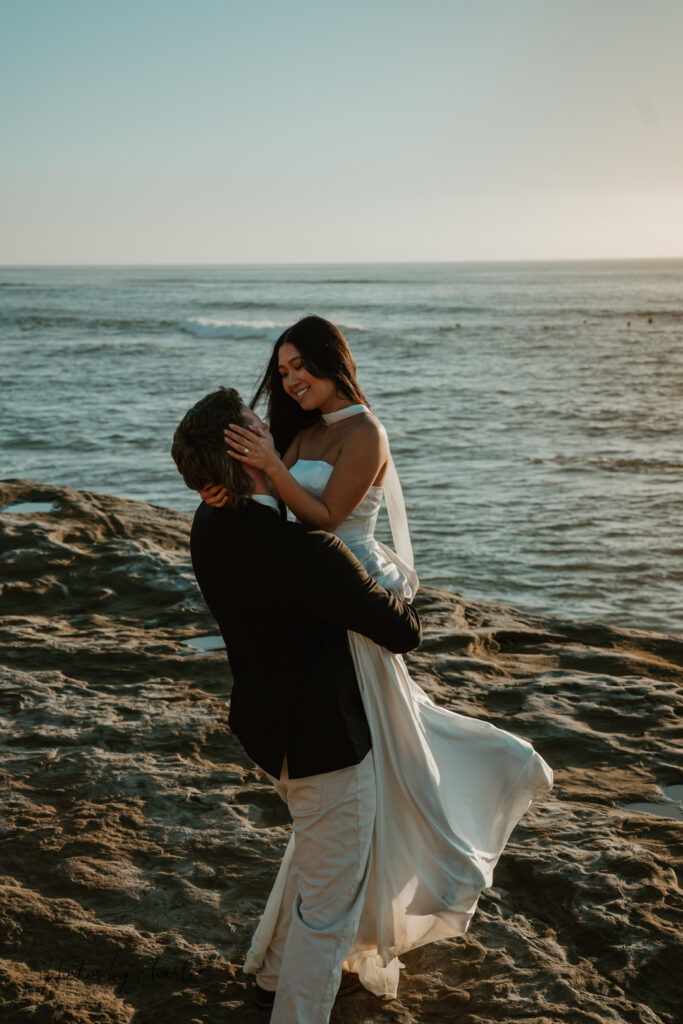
(265, 999)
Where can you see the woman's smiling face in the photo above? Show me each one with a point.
(309, 391)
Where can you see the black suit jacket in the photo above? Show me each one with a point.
(284, 598)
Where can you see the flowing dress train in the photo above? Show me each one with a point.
(450, 789)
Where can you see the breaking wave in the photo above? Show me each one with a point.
(217, 327)
(214, 327)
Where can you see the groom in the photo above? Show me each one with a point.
(284, 598)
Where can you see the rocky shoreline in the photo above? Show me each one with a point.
(138, 843)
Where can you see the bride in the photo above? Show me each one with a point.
(450, 789)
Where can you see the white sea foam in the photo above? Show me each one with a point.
(214, 327)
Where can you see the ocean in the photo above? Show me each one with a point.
(533, 409)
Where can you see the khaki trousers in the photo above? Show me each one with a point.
(332, 819)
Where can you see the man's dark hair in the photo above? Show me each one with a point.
(199, 448)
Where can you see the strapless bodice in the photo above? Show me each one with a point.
(358, 529)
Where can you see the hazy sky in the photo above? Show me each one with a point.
(212, 131)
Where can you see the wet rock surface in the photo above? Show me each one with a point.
(138, 843)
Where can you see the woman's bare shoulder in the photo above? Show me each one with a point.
(367, 428)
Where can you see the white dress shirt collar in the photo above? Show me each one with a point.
(268, 500)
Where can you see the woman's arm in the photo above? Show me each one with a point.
(288, 459)
(364, 452)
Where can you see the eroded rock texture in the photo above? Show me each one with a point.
(138, 843)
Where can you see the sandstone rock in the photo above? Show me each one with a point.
(138, 842)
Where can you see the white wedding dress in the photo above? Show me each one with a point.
(450, 789)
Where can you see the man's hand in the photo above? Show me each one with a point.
(214, 494)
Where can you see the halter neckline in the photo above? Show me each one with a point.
(342, 414)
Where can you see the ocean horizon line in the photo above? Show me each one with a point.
(555, 260)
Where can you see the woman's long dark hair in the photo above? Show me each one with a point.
(325, 355)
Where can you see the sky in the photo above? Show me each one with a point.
(279, 131)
